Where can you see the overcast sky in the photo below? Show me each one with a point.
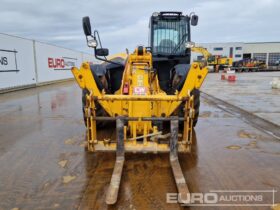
(124, 23)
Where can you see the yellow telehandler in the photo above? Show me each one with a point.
(143, 92)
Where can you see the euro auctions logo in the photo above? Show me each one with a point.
(55, 63)
(257, 198)
(192, 198)
(8, 60)
(64, 63)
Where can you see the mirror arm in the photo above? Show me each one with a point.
(87, 39)
(96, 34)
(105, 59)
(191, 14)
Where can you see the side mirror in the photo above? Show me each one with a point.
(102, 52)
(86, 26)
(194, 20)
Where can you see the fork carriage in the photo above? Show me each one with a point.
(136, 115)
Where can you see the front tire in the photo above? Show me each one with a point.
(196, 94)
(99, 111)
(177, 84)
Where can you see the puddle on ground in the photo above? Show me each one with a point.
(62, 163)
(272, 153)
(67, 179)
(252, 144)
(226, 115)
(75, 140)
(83, 144)
(69, 141)
(243, 93)
(46, 184)
(10, 118)
(56, 205)
(244, 134)
(233, 147)
(205, 114)
(57, 117)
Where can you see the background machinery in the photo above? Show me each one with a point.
(144, 93)
(249, 64)
(218, 62)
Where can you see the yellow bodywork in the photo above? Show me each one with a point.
(225, 61)
(119, 55)
(143, 99)
(206, 54)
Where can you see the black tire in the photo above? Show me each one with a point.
(99, 111)
(196, 94)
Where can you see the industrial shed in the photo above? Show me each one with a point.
(265, 51)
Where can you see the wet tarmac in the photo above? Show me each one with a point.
(43, 164)
(251, 91)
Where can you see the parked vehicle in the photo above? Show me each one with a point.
(249, 64)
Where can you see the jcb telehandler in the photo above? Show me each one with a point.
(143, 92)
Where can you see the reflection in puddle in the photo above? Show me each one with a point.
(62, 163)
(244, 134)
(67, 179)
(69, 141)
(205, 114)
(233, 147)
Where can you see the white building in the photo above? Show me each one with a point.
(265, 51)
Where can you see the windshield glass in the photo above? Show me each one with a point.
(169, 37)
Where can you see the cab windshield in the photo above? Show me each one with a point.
(169, 37)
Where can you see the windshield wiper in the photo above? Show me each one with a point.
(179, 44)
